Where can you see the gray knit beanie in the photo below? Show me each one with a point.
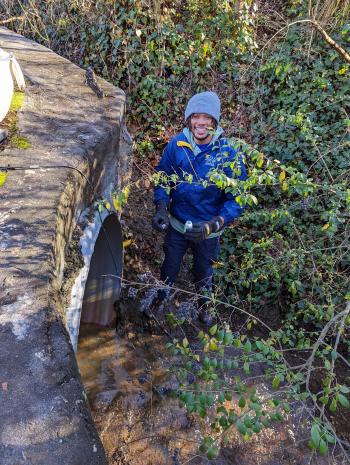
(204, 102)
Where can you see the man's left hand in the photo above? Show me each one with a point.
(201, 231)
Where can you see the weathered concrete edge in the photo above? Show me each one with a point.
(56, 351)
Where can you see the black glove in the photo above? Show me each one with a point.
(160, 220)
(201, 231)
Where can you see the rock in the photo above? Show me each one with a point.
(3, 134)
(168, 387)
(105, 398)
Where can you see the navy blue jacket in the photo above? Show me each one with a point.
(191, 200)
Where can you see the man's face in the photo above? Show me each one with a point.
(201, 126)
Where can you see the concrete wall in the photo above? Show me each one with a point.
(44, 417)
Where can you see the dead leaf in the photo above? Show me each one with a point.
(127, 243)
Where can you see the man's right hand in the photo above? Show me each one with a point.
(161, 220)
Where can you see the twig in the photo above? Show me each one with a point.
(10, 20)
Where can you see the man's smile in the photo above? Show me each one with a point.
(200, 131)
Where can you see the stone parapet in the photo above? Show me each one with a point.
(74, 155)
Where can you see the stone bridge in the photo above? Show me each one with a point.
(78, 151)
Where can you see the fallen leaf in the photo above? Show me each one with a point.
(127, 243)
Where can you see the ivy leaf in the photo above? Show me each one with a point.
(343, 401)
(247, 346)
(223, 421)
(260, 160)
(212, 452)
(228, 338)
(254, 199)
(315, 434)
(276, 382)
(282, 176)
(221, 398)
(241, 428)
(323, 448)
(213, 330)
(333, 406)
(246, 368)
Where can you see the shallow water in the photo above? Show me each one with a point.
(126, 380)
(112, 366)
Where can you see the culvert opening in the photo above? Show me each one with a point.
(103, 283)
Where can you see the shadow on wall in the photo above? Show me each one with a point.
(103, 284)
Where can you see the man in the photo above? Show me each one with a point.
(192, 156)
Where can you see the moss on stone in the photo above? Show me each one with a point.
(10, 121)
(17, 141)
(20, 142)
(17, 100)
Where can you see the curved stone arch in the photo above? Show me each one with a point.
(98, 284)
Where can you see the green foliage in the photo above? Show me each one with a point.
(151, 49)
(293, 252)
(216, 375)
(300, 105)
(211, 386)
(290, 252)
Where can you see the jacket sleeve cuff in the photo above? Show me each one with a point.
(231, 215)
(161, 196)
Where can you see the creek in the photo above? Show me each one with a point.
(128, 378)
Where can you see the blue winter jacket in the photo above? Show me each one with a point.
(191, 200)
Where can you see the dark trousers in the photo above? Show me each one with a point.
(204, 254)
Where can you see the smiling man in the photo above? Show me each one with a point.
(195, 211)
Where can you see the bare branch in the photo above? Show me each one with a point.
(340, 50)
(10, 20)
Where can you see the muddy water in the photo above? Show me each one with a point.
(113, 367)
(127, 380)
